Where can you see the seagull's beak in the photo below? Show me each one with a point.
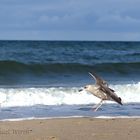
(80, 90)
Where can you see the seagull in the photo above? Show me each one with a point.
(102, 91)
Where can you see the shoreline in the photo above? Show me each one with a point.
(69, 117)
(78, 128)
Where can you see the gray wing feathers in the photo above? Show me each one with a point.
(111, 94)
(98, 80)
(104, 87)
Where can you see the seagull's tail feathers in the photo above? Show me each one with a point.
(120, 102)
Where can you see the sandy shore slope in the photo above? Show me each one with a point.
(71, 129)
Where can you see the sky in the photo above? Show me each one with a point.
(97, 20)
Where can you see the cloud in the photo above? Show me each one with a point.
(117, 23)
(70, 19)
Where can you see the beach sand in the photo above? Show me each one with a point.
(71, 129)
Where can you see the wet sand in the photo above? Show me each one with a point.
(71, 129)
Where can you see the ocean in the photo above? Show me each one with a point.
(41, 79)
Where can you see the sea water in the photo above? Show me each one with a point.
(41, 79)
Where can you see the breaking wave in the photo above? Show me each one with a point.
(10, 97)
(13, 67)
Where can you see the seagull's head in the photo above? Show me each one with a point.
(87, 88)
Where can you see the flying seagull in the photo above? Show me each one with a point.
(102, 91)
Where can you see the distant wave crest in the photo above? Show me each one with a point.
(14, 67)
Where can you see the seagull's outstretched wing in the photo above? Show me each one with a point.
(99, 80)
(111, 94)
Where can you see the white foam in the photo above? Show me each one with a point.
(10, 97)
(43, 118)
(129, 93)
(117, 117)
(68, 117)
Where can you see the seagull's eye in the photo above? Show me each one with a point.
(85, 87)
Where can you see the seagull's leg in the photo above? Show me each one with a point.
(95, 106)
(98, 105)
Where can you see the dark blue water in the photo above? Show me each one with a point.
(46, 62)
(28, 68)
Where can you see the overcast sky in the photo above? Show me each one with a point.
(70, 19)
